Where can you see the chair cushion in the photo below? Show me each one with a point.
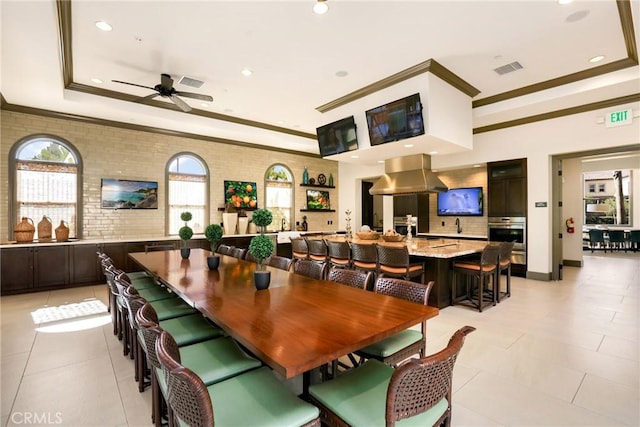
(138, 275)
(217, 359)
(400, 270)
(369, 265)
(473, 266)
(190, 329)
(170, 308)
(340, 261)
(144, 283)
(359, 397)
(155, 294)
(258, 398)
(392, 344)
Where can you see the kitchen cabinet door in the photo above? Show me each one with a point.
(16, 269)
(51, 266)
(85, 268)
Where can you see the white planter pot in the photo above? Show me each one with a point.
(243, 222)
(230, 222)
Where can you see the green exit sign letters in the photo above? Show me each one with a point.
(619, 118)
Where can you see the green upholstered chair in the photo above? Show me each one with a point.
(400, 346)
(617, 240)
(596, 239)
(634, 239)
(253, 398)
(417, 393)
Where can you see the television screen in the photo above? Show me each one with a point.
(396, 120)
(128, 194)
(460, 202)
(241, 195)
(337, 137)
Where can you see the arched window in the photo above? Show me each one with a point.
(187, 190)
(278, 184)
(47, 181)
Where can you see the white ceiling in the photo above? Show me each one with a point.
(295, 55)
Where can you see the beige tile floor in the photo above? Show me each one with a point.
(554, 354)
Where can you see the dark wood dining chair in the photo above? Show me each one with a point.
(225, 249)
(504, 264)
(313, 269)
(239, 253)
(227, 402)
(394, 261)
(398, 347)
(477, 294)
(339, 254)
(377, 394)
(283, 263)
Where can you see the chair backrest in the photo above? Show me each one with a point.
(634, 235)
(150, 330)
(317, 250)
(419, 384)
(596, 235)
(306, 267)
(159, 247)
(405, 289)
(133, 302)
(354, 278)
(393, 256)
(188, 396)
(506, 248)
(490, 255)
(110, 276)
(339, 253)
(364, 252)
(283, 263)
(616, 236)
(224, 249)
(238, 252)
(299, 248)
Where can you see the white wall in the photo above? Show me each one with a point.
(572, 194)
(537, 142)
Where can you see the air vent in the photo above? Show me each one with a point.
(509, 68)
(188, 81)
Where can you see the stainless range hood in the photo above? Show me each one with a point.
(408, 175)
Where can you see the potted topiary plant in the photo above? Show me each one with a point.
(185, 234)
(213, 233)
(261, 248)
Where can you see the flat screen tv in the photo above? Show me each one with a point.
(337, 137)
(460, 202)
(128, 194)
(396, 120)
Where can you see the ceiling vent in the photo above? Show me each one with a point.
(509, 68)
(188, 81)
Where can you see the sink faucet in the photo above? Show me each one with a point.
(458, 226)
(284, 220)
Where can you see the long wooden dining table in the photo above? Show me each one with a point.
(295, 325)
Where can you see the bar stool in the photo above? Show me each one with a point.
(394, 261)
(299, 248)
(480, 270)
(339, 254)
(364, 256)
(504, 263)
(317, 250)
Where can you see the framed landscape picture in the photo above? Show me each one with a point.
(241, 195)
(318, 200)
(127, 194)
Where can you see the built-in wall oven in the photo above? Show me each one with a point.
(400, 225)
(510, 229)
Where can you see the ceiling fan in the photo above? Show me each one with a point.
(166, 89)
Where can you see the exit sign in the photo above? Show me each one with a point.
(619, 118)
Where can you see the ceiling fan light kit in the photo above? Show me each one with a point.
(321, 7)
(165, 89)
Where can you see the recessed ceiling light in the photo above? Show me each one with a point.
(564, 1)
(228, 110)
(321, 7)
(380, 161)
(342, 73)
(103, 26)
(596, 59)
(577, 16)
(477, 166)
(204, 104)
(246, 72)
(408, 145)
(280, 122)
(355, 157)
(433, 152)
(96, 80)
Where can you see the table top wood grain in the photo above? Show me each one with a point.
(296, 325)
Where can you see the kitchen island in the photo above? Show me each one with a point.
(437, 255)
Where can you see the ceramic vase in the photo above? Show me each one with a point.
(230, 222)
(243, 223)
(213, 262)
(185, 252)
(262, 279)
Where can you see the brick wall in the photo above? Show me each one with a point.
(109, 152)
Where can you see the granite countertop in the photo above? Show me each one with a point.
(431, 248)
(453, 235)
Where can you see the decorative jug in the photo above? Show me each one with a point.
(24, 230)
(44, 229)
(62, 232)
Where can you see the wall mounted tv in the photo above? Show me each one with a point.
(337, 137)
(396, 120)
(460, 202)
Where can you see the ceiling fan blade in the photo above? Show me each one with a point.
(180, 103)
(166, 81)
(195, 96)
(132, 84)
(144, 98)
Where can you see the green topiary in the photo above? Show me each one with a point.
(186, 216)
(213, 233)
(261, 218)
(261, 248)
(185, 234)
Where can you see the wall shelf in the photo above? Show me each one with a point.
(317, 186)
(317, 210)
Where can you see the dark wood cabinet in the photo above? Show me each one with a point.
(85, 268)
(51, 266)
(16, 269)
(413, 204)
(507, 188)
